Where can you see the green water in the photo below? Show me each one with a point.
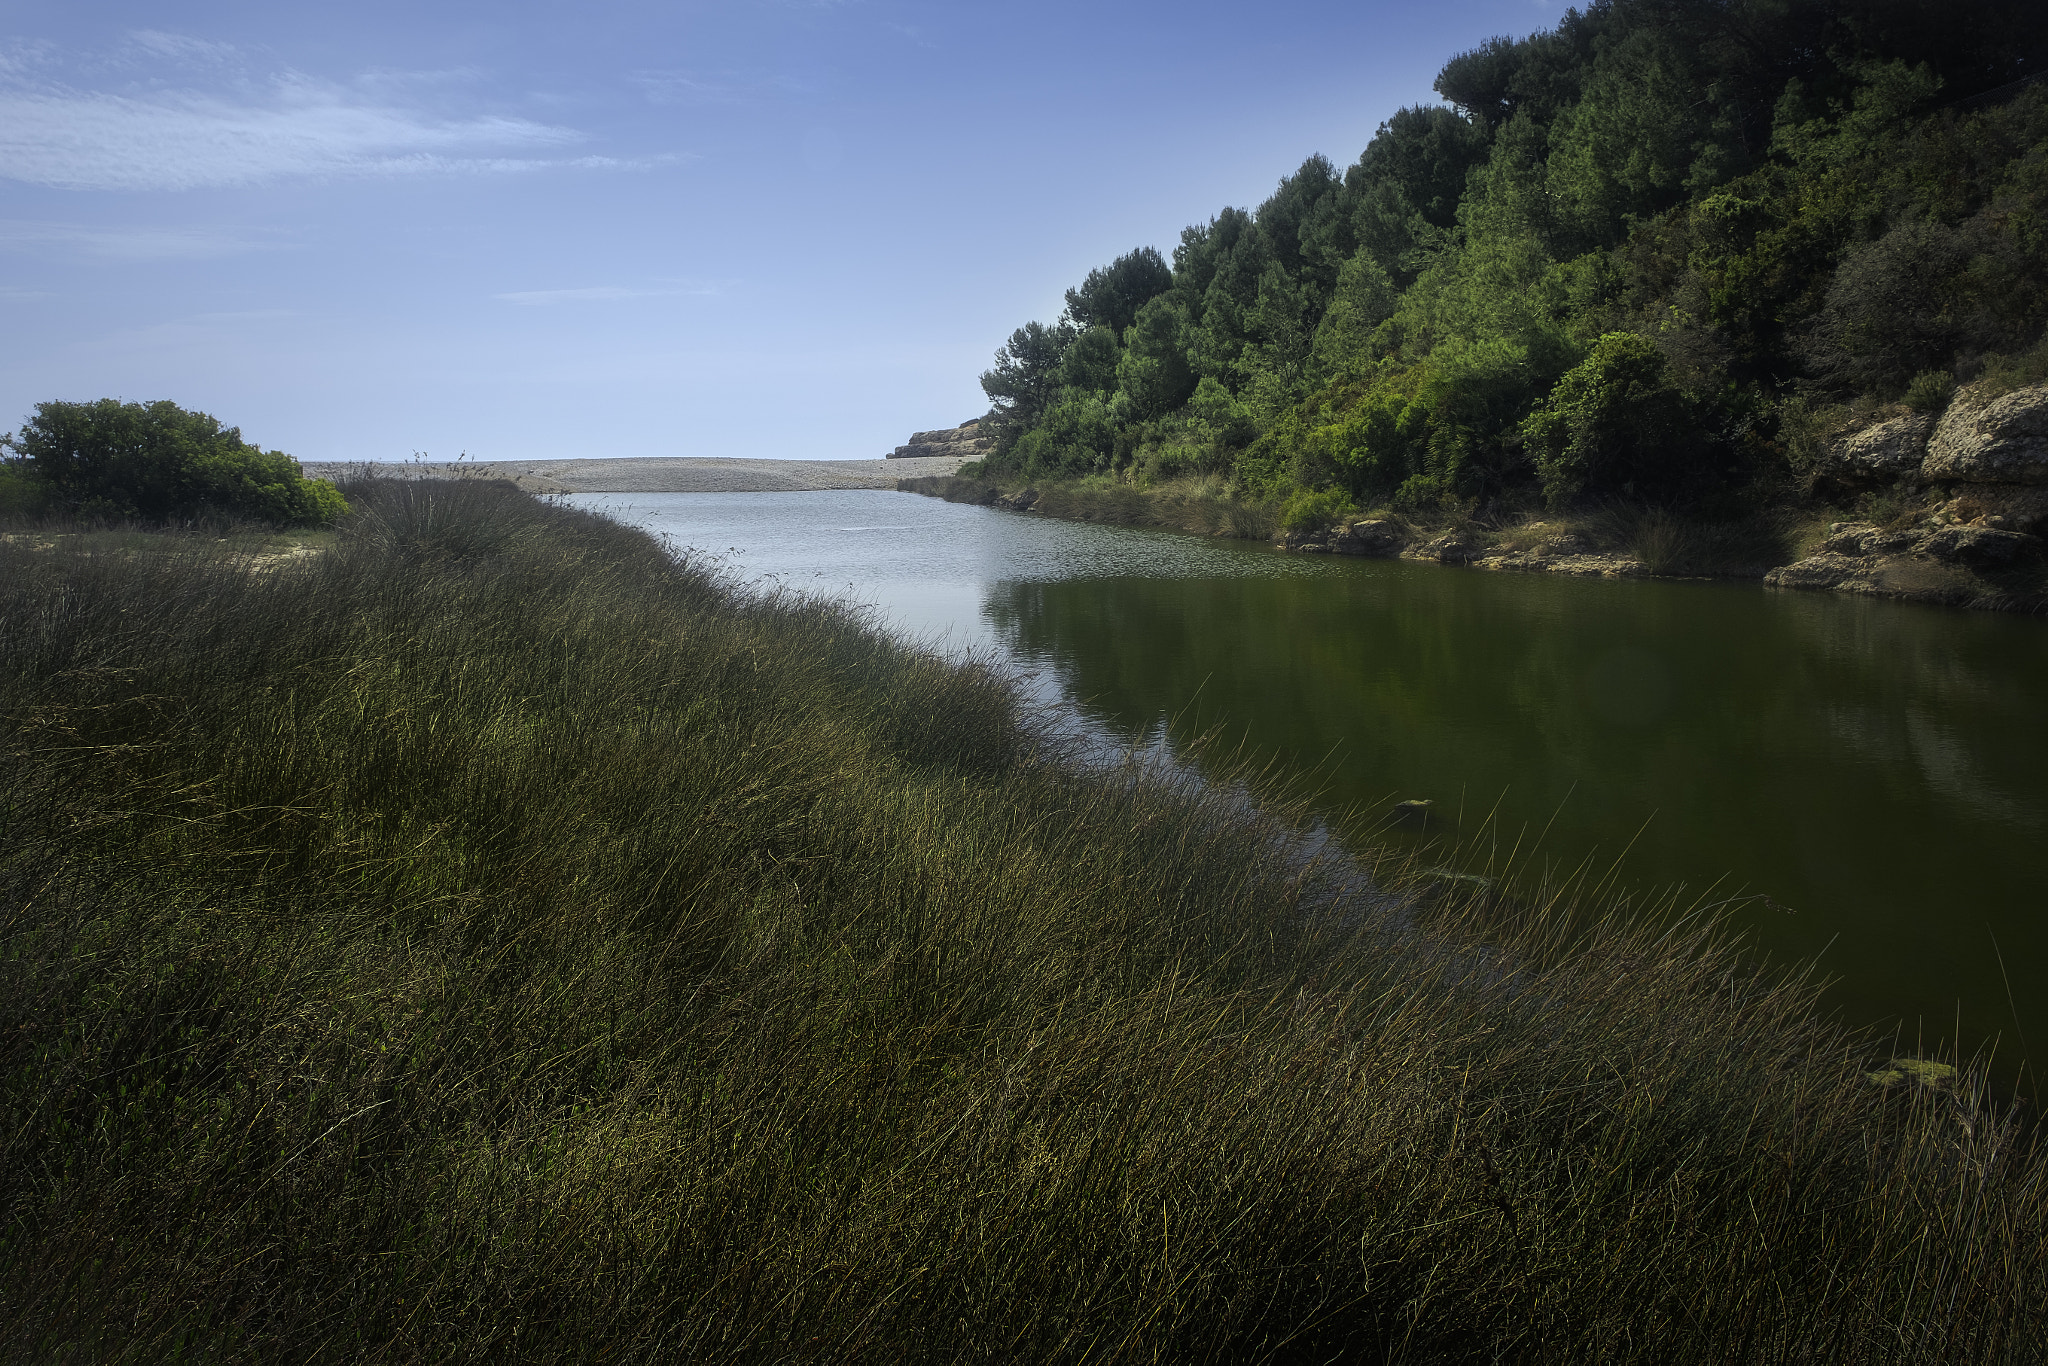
(1874, 774)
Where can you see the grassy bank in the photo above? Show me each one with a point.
(1202, 507)
(486, 939)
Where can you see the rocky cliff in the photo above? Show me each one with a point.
(964, 441)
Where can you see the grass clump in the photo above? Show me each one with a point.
(490, 939)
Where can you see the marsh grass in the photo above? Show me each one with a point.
(1201, 505)
(491, 940)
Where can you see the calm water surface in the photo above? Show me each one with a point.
(1878, 772)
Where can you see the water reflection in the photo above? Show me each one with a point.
(1879, 772)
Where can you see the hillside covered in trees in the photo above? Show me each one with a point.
(1659, 253)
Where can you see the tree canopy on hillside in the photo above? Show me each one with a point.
(1780, 199)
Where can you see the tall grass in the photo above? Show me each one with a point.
(490, 940)
(1202, 505)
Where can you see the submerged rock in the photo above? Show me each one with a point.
(1413, 811)
(2003, 440)
(1936, 1075)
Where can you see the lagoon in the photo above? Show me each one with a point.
(1864, 784)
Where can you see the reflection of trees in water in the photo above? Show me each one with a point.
(1857, 760)
(1625, 684)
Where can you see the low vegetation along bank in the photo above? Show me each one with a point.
(485, 938)
(1935, 545)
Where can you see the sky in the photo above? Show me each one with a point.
(515, 231)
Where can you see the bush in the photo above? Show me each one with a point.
(1930, 390)
(1306, 511)
(1615, 424)
(159, 461)
(21, 495)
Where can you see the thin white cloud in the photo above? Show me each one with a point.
(606, 293)
(178, 47)
(185, 140)
(126, 243)
(20, 56)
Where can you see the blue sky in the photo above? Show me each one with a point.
(529, 231)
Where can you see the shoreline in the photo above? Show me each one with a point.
(1934, 565)
(654, 474)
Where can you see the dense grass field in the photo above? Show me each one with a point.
(489, 939)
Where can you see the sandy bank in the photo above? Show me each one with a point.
(656, 474)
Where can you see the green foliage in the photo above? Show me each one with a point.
(1076, 436)
(1930, 391)
(1112, 295)
(1306, 511)
(2002, 374)
(1026, 378)
(158, 461)
(1805, 430)
(1615, 424)
(21, 493)
(1345, 340)
(1090, 362)
(1773, 195)
(1153, 372)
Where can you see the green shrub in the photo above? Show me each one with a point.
(1804, 431)
(1318, 511)
(2003, 374)
(159, 461)
(1930, 390)
(1615, 424)
(20, 493)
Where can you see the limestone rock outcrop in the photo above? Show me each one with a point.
(2003, 440)
(1573, 563)
(965, 442)
(1882, 451)
(1860, 557)
(1375, 537)
(2007, 507)
(1453, 547)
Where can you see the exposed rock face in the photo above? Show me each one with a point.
(1547, 560)
(964, 441)
(1452, 547)
(2000, 441)
(1825, 570)
(1859, 557)
(1980, 547)
(1883, 451)
(1377, 538)
(2007, 507)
